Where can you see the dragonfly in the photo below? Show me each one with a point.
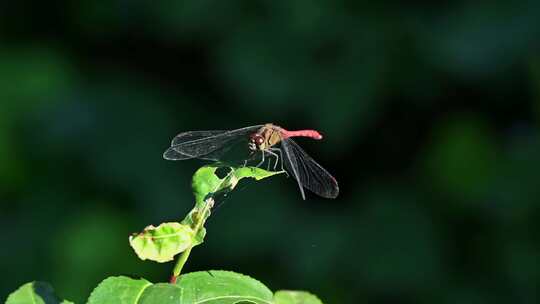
(267, 140)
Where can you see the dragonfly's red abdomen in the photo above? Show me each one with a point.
(301, 133)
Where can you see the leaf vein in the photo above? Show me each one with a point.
(163, 235)
(141, 292)
(231, 297)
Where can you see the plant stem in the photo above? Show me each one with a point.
(201, 218)
(180, 264)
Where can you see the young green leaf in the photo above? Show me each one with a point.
(35, 293)
(206, 182)
(204, 287)
(163, 242)
(295, 297)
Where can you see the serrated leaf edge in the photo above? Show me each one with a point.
(228, 297)
(299, 291)
(233, 273)
(218, 297)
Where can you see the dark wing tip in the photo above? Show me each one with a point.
(328, 192)
(333, 193)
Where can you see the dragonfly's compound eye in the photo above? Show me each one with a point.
(255, 141)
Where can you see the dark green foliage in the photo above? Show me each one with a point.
(430, 112)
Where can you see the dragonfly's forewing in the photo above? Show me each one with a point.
(175, 152)
(307, 172)
(210, 145)
(194, 135)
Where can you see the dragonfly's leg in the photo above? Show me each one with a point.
(280, 158)
(278, 150)
(262, 160)
(269, 159)
(250, 156)
(268, 164)
(281, 154)
(275, 155)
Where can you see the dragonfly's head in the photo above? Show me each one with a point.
(256, 142)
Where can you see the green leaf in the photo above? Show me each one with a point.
(163, 242)
(222, 287)
(35, 293)
(206, 183)
(118, 290)
(295, 297)
(204, 287)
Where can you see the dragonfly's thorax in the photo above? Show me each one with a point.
(265, 138)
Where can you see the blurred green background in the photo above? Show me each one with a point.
(431, 117)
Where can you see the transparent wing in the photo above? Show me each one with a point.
(307, 172)
(208, 145)
(194, 135)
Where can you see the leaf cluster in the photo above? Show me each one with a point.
(170, 240)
